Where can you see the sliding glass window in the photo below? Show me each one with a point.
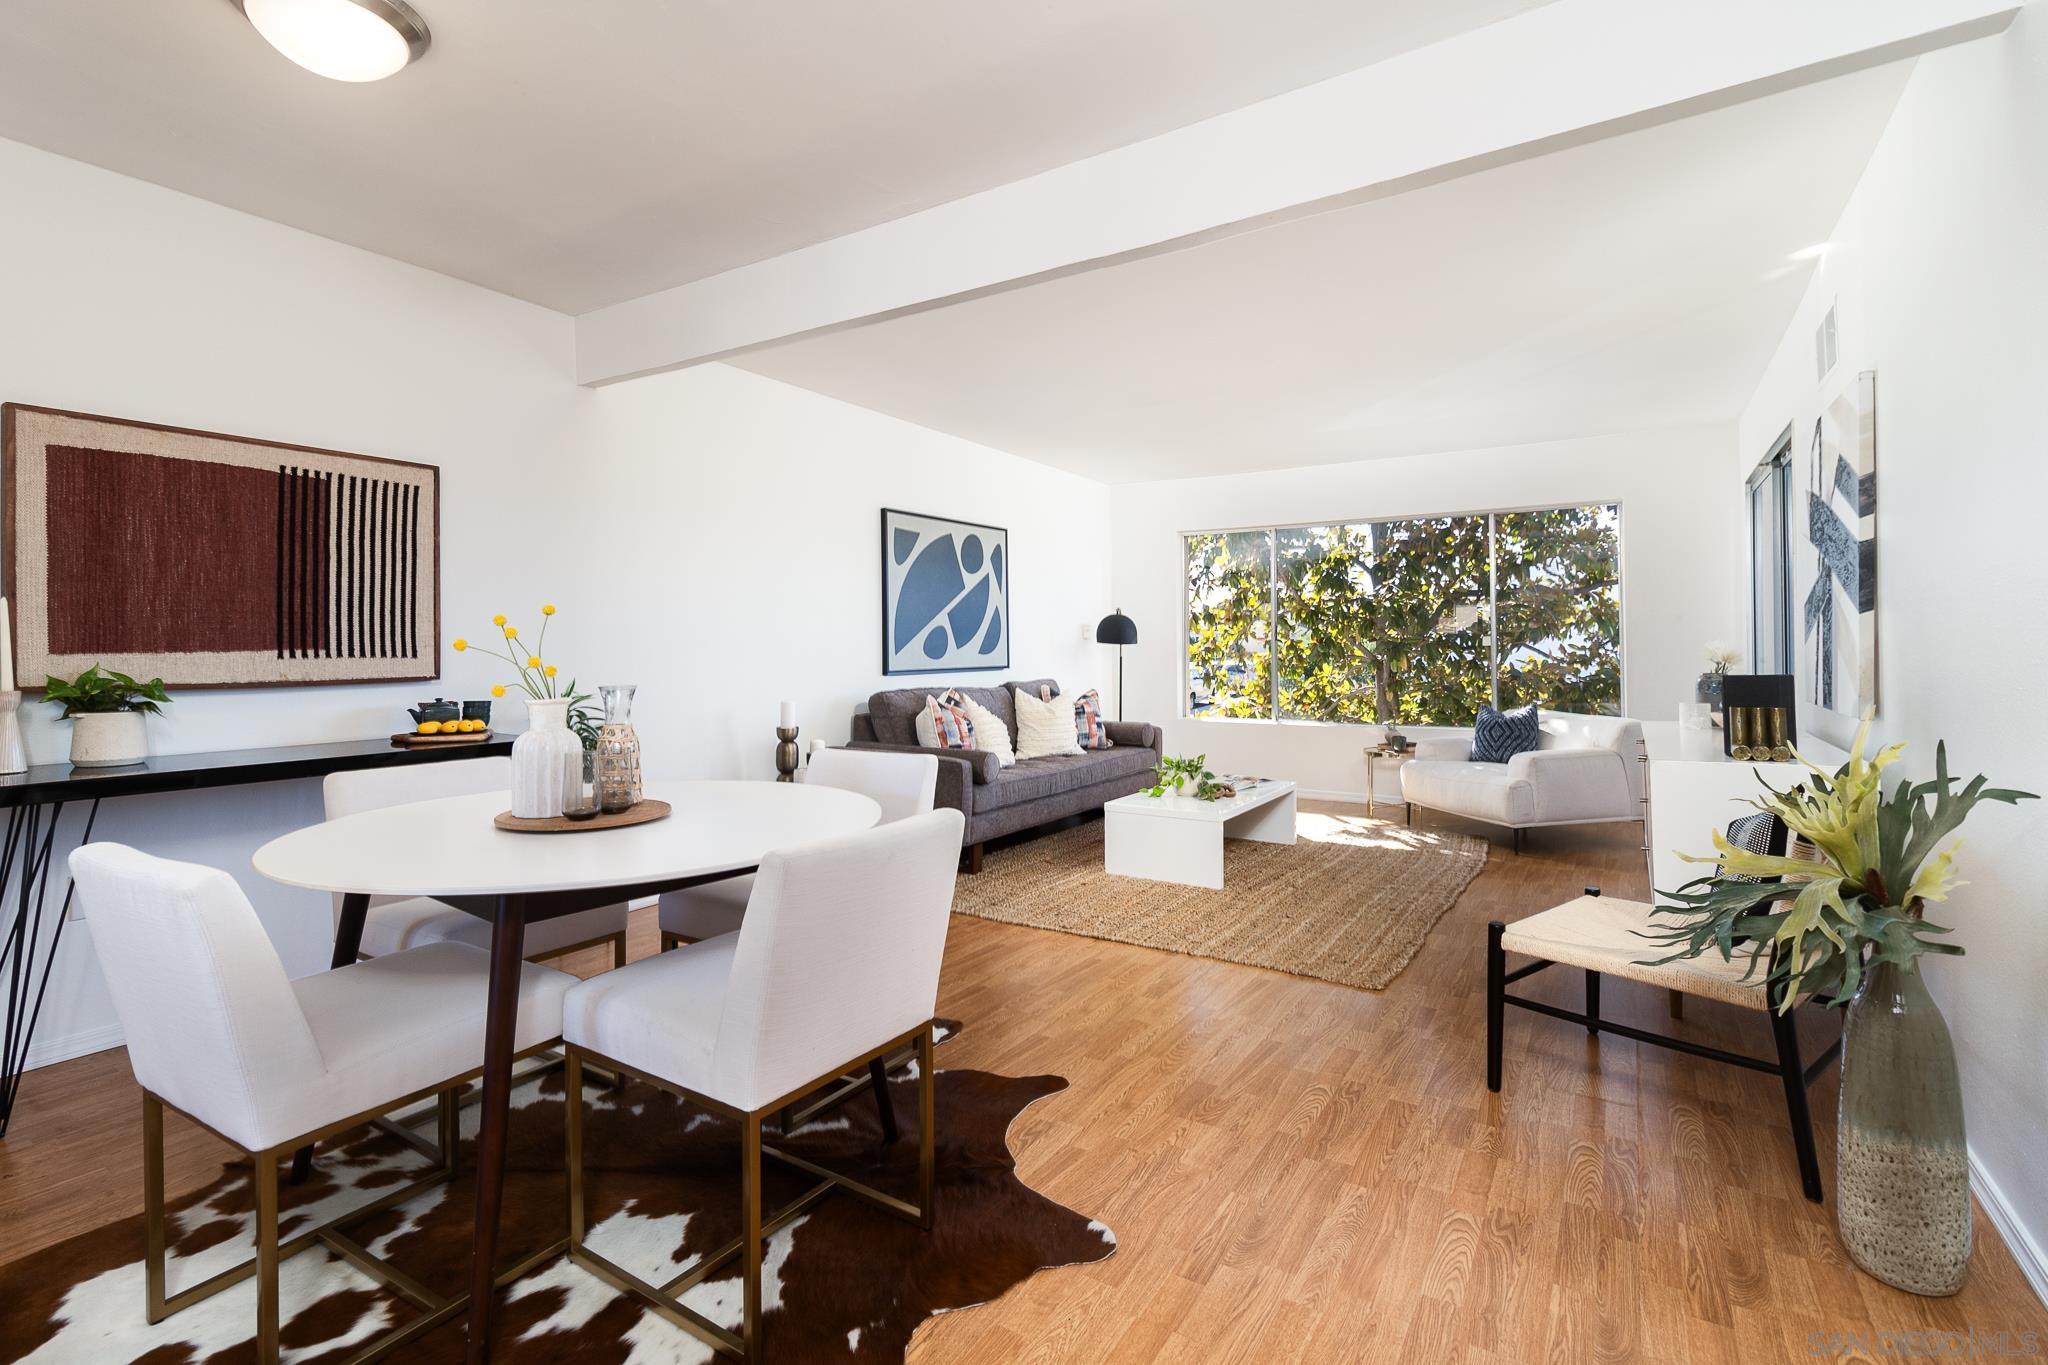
(1418, 621)
(1770, 578)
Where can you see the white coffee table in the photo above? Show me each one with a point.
(1180, 838)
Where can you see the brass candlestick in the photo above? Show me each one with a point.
(1774, 729)
(1741, 729)
(785, 753)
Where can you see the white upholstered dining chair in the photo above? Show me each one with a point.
(901, 784)
(836, 964)
(399, 922)
(217, 1032)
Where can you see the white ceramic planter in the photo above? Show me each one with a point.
(108, 739)
(542, 759)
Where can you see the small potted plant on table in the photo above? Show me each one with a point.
(105, 709)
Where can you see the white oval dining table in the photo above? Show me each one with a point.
(450, 850)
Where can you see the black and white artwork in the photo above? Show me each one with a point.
(1838, 607)
(945, 595)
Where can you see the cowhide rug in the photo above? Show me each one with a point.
(844, 1282)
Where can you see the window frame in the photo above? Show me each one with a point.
(1776, 467)
(1272, 531)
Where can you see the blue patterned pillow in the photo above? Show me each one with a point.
(1498, 736)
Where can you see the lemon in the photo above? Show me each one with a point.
(430, 727)
(473, 726)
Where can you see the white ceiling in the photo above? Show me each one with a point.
(578, 154)
(1633, 283)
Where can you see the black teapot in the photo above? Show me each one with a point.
(438, 709)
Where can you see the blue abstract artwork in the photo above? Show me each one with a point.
(945, 595)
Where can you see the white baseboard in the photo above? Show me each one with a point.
(45, 1051)
(2025, 1250)
(1317, 794)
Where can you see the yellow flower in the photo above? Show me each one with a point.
(548, 610)
(499, 619)
(549, 670)
(511, 632)
(460, 644)
(497, 689)
(533, 661)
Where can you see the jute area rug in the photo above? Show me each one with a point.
(1351, 901)
(844, 1282)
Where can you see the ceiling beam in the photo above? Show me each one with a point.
(1563, 74)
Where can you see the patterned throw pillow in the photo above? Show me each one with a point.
(945, 724)
(1088, 722)
(1498, 736)
(1752, 834)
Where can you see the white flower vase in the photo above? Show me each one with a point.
(108, 739)
(543, 759)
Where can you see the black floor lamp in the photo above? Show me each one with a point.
(1119, 630)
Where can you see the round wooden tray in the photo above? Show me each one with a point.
(413, 740)
(639, 814)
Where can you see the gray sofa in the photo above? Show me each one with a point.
(1033, 791)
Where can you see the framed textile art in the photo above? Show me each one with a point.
(945, 595)
(215, 561)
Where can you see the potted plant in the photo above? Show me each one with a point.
(1720, 658)
(105, 709)
(1175, 773)
(561, 726)
(1850, 926)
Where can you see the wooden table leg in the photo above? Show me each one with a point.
(348, 944)
(507, 946)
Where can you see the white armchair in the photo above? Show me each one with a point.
(1585, 770)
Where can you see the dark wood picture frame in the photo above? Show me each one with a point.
(428, 648)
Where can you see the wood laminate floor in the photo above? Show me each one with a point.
(1303, 1172)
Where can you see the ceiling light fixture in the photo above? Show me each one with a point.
(343, 40)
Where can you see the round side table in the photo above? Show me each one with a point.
(1375, 754)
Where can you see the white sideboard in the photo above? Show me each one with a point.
(1689, 798)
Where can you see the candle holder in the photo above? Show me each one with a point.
(785, 753)
(13, 756)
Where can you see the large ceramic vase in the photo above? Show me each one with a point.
(542, 759)
(1902, 1196)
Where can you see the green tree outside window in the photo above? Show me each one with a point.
(1396, 621)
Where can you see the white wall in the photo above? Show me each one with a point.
(747, 562)
(127, 299)
(1676, 562)
(1942, 277)
(712, 535)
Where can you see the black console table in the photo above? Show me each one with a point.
(35, 802)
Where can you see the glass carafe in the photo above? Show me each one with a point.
(618, 750)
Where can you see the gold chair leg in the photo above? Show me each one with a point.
(155, 1310)
(927, 1123)
(267, 1326)
(750, 1235)
(572, 1125)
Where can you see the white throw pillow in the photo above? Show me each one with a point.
(1044, 728)
(990, 732)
